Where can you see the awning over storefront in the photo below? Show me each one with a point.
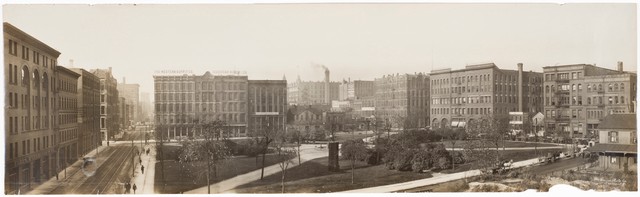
(462, 124)
(454, 123)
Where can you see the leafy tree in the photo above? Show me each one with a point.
(209, 151)
(453, 135)
(353, 150)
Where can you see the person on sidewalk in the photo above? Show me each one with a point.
(142, 168)
(134, 188)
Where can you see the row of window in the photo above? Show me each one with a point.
(461, 111)
(189, 86)
(577, 100)
(13, 50)
(181, 119)
(38, 144)
(562, 76)
(26, 123)
(590, 88)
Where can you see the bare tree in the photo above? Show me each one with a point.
(284, 154)
(453, 136)
(208, 151)
(264, 136)
(353, 150)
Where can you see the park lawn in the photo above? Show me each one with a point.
(507, 144)
(314, 177)
(344, 136)
(182, 177)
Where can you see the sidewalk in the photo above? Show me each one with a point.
(433, 180)
(306, 154)
(145, 182)
(52, 184)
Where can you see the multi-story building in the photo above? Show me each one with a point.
(109, 117)
(30, 113)
(403, 100)
(577, 97)
(618, 147)
(267, 100)
(312, 92)
(67, 127)
(89, 111)
(124, 118)
(354, 90)
(479, 92)
(131, 93)
(146, 108)
(182, 102)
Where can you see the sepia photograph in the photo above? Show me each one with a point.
(146, 98)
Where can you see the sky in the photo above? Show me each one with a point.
(356, 41)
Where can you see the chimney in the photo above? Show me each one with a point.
(326, 86)
(520, 87)
(620, 66)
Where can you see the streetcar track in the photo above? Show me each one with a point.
(113, 174)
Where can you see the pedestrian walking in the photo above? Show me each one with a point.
(134, 188)
(127, 187)
(142, 168)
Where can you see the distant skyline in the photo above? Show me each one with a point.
(357, 41)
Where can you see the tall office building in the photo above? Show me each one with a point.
(355, 90)
(312, 92)
(109, 112)
(579, 96)
(131, 93)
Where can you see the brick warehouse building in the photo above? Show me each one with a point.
(462, 97)
(183, 101)
(66, 126)
(402, 100)
(30, 110)
(89, 110)
(579, 96)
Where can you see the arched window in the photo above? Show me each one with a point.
(588, 87)
(599, 86)
(615, 87)
(622, 99)
(579, 87)
(45, 81)
(617, 101)
(610, 87)
(573, 87)
(588, 100)
(36, 79)
(622, 87)
(25, 76)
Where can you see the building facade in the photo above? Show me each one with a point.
(182, 102)
(267, 103)
(67, 127)
(311, 93)
(479, 92)
(308, 120)
(577, 98)
(402, 100)
(131, 93)
(618, 147)
(354, 90)
(89, 110)
(109, 112)
(30, 113)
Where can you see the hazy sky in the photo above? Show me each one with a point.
(360, 41)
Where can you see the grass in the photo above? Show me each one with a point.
(344, 136)
(314, 177)
(182, 177)
(507, 144)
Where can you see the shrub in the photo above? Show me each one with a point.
(457, 157)
(421, 161)
(443, 163)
